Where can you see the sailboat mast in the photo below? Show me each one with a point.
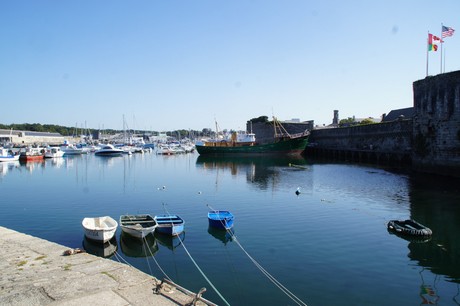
(274, 126)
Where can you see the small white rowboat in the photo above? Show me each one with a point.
(100, 228)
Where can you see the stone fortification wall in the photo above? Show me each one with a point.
(383, 142)
(392, 136)
(436, 128)
(430, 141)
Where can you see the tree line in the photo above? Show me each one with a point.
(72, 131)
(37, 127)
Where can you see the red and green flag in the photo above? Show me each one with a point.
(433, 42)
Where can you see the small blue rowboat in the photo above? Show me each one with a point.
(172, 225)
(222, 219)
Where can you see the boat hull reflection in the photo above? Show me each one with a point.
(105, 250)
(223, 236)
(133, 247)
(171, 242)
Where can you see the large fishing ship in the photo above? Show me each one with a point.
(245, 144)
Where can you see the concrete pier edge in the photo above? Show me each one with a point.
(35, 272)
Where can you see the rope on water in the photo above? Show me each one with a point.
(145, 247)
(202, 273)
(144, 241)
(156, 262)
(286, 291)
(199, 269)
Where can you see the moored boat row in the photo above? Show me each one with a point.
(36, 153)
(102, 229)
(139, 226)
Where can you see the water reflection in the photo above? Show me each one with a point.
(427, 292)
(100, 249)
(33, 165)
(8, 166)
(262, 171)
(440, 259)
(171, 242)
(222, 235)
(434, 203)
(109, 160)
(57, 162)
(133, 247)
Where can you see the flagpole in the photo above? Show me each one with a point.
(444, 68)
(427, 42)
(441, 46)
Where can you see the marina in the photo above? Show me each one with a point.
(327, 245)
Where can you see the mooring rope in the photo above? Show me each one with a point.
(286, 291)
(198, 267)
(156, 262)
(204, 275)
(144, 243)
(144, 248)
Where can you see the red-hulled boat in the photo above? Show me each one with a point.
(31, 153)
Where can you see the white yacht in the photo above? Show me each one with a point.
(109, 150)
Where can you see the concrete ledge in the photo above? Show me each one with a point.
(35, 272)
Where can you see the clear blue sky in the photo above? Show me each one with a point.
(167, 65)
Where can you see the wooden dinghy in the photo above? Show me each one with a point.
(172, 225)
(138, 226)
(100, 229)
(221, 219)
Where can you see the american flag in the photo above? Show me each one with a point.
(447, 31)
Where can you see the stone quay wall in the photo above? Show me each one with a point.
(436, 129)
(389, 142)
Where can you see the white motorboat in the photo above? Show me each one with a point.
(164, 149)
(100, 229)
(109, 150)
(53, 152)
(70, 149)
(7, 155)
(138, 226)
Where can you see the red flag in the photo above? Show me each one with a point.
(432, 42)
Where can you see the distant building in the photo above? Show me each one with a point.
(402, 113)
(28, 137)
(265, 132)
(335, 120)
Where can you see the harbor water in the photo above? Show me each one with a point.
(327, 244)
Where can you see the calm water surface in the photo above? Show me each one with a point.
(327, 246)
